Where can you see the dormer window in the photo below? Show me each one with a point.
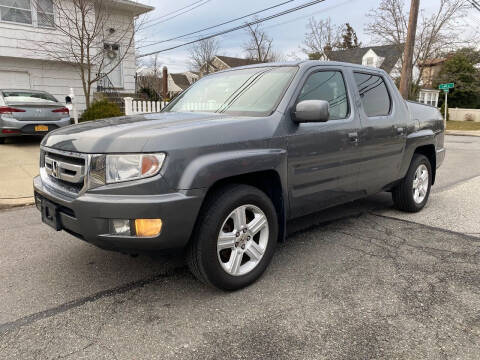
(369, 61)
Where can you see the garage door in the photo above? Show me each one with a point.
(14, 79)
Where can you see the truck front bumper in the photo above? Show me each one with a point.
(89, 216)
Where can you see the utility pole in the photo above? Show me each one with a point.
(164, 83)
(409, 47)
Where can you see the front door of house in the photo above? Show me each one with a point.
(113, 65)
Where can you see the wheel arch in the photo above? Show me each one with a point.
(269, 181)
(429, 152)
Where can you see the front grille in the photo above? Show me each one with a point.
(64, 170)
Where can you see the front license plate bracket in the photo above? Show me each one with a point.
(50, 215)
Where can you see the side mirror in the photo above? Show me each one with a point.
(312, 111)
(68, 100)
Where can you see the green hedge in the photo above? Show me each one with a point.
(100, 110)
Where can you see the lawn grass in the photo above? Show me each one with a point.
(463, 125)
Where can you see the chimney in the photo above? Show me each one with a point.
(164, 83)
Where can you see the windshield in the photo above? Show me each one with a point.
(27, 96)
(254, 92)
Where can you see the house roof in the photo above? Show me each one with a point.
(133, 6)
(391, 53)
(235, 62)
(431, 62)
(181, 80)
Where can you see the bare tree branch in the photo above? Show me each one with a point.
(83, 29)
(202, 53)
(321, 36)
(259, 45)
(437, 34)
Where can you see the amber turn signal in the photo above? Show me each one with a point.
(148, 227)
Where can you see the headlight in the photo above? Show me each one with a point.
(124, 167)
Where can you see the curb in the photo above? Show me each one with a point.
(12, 203)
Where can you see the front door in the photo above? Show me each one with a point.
(383, 134)
(113, 65)
(322, 156)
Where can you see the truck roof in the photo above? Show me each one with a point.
(307, 63)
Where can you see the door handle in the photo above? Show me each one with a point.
(400, 130)
(353, 137)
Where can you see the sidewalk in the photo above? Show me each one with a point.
(463, 132)
(19, 159)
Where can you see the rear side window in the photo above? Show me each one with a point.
(374, 94)
(27, 96)
(328, 86)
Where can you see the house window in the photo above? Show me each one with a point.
(18, 11)
(31, 12)
(45, 13)
(369, 61)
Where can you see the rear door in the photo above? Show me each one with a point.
(382, 135)
(323, 156)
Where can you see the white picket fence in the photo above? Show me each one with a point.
(142, 107)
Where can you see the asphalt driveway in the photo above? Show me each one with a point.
(354, 282)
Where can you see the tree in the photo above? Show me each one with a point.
(435, 34)
(321, 36)
(349, 38)
(259, 45)
(89, 37)
(459, 69)
(203, 52)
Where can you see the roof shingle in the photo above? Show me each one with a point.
(391, 53)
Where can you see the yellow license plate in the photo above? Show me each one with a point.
(41, 128)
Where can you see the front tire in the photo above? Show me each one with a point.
(412, 193)
(235, 237)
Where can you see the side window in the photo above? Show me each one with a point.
(328, 86)
(374, 94)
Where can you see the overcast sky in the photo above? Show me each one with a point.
(287, 31)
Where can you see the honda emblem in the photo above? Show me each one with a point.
(55, 169)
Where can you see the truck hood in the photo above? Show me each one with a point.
(156, 132)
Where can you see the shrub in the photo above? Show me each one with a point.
(100, 110)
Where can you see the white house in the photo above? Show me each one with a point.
(23, 23)
(386, 57)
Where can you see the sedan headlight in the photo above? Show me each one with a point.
(124, 167)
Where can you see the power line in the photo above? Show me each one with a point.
(475, 4)
(173, 12)
(215, 26)
(177, 15)
(258, 21)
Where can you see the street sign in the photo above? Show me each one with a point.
(446, 86)
(446, 91)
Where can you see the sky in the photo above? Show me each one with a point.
(286, 31)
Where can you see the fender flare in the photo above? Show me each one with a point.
(206, 170)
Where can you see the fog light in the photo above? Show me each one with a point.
(120, 227)
(148, 227)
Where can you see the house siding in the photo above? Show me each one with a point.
(20, 52)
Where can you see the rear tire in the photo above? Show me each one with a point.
(412, 193)
(229, 250)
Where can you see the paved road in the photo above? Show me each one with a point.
(365, 285)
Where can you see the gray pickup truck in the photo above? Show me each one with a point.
(223, 167)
